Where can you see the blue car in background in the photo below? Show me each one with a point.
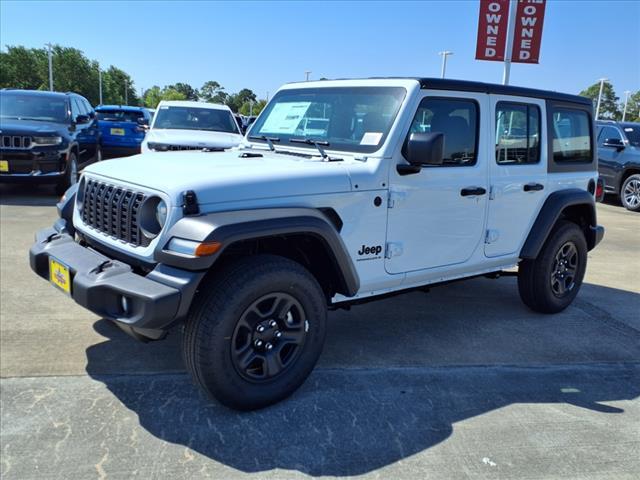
(122, 129)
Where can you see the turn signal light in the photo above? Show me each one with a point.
(193, 248)
(205, 249)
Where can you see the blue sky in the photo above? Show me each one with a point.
(261, 45)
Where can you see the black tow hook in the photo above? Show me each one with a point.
(51, 238)
(103, 266)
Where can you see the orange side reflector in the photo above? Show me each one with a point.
(205, 249)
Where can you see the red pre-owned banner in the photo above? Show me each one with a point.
(492, 30)
(528, 32)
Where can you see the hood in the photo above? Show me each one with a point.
(31, 127)
(218, 177)
(194, 138)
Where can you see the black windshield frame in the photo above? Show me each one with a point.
(342, 99)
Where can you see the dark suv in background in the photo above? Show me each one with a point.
(619, 161)
(46, 137)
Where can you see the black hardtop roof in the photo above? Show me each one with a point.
(470, 86)
(616, 122)
(43, 93)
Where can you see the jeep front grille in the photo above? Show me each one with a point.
(114, 211)
(16, 141)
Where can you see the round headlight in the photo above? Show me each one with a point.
(161, 213)
(152, 216)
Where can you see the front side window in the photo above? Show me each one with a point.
(609, 133)
(33, 107)
(354, 119)
(75, 108)
(517, 133)
(457, 120)
(195, 118)
(571, 136)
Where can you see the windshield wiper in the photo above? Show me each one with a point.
(269, 140)
(318, 144)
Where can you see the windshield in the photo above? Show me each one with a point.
(119, 115)
(22, 106)
(194, 118)
(354, 119)
(633, 134)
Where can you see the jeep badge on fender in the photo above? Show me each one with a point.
(374, 250)
(273, 236)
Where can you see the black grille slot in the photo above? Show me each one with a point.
(16, 142)
(113, 211)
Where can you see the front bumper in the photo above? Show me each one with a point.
(154, 302)
(43, 165)
(598, 234)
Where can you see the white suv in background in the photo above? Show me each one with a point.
(183, 125)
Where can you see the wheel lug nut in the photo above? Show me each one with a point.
(278, 334)
(272, 323)
(260, 328)
(258, 343)
(268, 346)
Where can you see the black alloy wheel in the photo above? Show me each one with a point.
(268, 337)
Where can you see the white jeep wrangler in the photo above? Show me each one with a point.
(344, 191)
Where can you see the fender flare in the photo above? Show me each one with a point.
(552, 210)
(228, 228)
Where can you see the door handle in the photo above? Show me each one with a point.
(533, 187)
(466, 192)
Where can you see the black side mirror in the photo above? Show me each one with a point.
(423, 149)
(142, 121)
(614, 143)
(82, 119)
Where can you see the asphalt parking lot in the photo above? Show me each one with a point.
(463, 382)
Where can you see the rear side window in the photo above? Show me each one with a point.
(571, 136)
(517, 133)
(457, 119)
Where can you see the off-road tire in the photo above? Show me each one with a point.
(221, 302)
(535, 276)
(66, 182)
(630, 193)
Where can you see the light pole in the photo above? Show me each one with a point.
(48, 45)
(306, 75)
(602, 80)
(511, 29)
(126, 93)
(444, 55)
(626, 102)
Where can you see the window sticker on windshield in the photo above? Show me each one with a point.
(371, 138)
(628, 129)
(164, 107)
(285, 117)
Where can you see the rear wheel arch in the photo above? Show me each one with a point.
(574, 205)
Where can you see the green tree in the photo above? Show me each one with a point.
(633, 108)
(237, 100)
(213, 92)
(246, 108)
(186, 90)
(609, 102)
(152, 96)
(114, 83)
(25, 68)
(170, 93)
